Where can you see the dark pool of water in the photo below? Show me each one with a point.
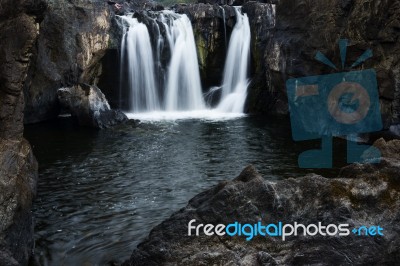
(101, 192)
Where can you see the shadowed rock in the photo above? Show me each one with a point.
(89, 105)
(304, 27)
(18, 167)
(370, 198)
(73, 38)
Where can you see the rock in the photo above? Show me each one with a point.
(303, 28)
(262, 97)
(16, 50)
(395, 129)
(18, 172)
(73, 38)
(89, 105)
(371, 198)
(18, 167)
(223, 2)
(208, 28)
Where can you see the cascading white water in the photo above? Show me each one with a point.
(183, 90)
(136, 46)
(235, 81)
(176, 86)
(224, 21)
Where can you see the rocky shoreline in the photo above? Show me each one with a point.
(361, 195)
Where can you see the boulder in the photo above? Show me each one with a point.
(89, 105)
(361, 195)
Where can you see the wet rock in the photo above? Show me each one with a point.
(370, 198)
(89, 105)
(73, 38)
(16, 50)
(305, 27)
(223, 2)
(262, 97)
(18, 167)
(18, 172)
(395, 129)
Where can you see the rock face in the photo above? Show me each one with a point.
(73, 38)
(89, 105)
(18, 172)
(18, 168)
(361, 195)
(305, 27)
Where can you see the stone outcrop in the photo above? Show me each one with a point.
(285, 38)
(19, 27)
(305, 27)
(361, 195)
(18, 172)
(89, 105)
(73, 38)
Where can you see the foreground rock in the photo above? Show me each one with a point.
(18, 168)
(89, 105)
(363, 195)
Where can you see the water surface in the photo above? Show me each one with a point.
(101, 192)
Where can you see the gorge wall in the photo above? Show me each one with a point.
(73, 38)
(45, 45)
(79, 42)
(305, 27)
(19, 24)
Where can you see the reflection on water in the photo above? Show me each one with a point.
(100, 192)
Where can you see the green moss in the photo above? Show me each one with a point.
(201, 50)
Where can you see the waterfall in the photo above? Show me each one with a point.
(169, 80)
(235, 80)
(224, 20)
(183, 90)
(136, 46)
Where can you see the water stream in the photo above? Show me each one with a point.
(183, 90)
(136, 46)
(235, 82)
